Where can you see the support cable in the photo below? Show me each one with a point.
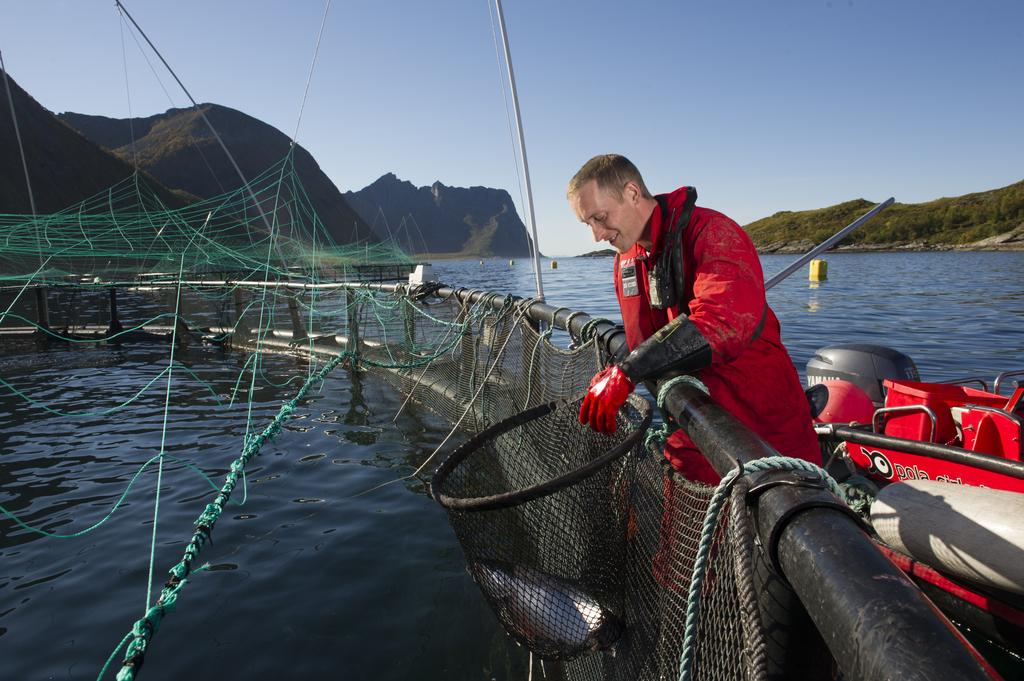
(128, 95)
(504, 97)
(24, 162)
(216, 135)
(535, 246)
(312, 66)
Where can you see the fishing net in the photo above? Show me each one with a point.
(537, 504)
(473, 364)
(591, 574)
(266, 229)
(665, 514)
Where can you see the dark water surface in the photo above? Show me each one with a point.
(308, 580)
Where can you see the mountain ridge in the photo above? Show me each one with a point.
(443, 221)
(64, 166)
(178, 148)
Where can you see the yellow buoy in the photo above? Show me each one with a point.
(819, 270)
(554, 264)
(511, 263)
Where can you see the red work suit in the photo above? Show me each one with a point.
(753, 379)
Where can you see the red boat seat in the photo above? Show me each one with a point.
(992, 431)
(939, 397)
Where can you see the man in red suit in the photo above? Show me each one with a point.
(692, 296)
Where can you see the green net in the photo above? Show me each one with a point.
(264, 229)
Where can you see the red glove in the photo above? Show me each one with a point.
(608, 392)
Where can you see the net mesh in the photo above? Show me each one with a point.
(265, 229)
(665, 513)
(472, 364)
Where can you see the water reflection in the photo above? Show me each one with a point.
(813, 302)
(357, 414)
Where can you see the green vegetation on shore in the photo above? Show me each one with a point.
(947, 222)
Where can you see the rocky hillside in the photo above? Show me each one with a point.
(443, 221)
(984, 220)
(63, 166)
(178, 149)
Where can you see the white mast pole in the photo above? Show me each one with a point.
(522, 149)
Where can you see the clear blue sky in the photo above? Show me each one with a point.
(762, 105)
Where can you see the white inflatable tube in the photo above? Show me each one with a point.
(972, 532)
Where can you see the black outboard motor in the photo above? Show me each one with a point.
(863, 364)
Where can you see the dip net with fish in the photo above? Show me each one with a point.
(591, 571)
(532, 500)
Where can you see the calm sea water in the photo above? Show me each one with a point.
(308, 579)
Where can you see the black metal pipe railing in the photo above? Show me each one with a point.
(609, 334)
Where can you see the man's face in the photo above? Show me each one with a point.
(619, 221)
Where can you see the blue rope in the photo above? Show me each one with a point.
(707, 535)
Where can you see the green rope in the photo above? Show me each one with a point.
(707, 535)
(859, 493)
(144, 629)
(154, 616)
(660, 435)
(163, 432)
(667, 386)
(125, 234)
(568, 321)
(546, 335)
(100, 339)
(589, 328)
(238, 380)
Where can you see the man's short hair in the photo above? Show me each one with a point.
(611, 172)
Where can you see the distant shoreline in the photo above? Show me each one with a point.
(1009, 242)
(789, 248)
(1012, 240)
(804, 247)
(470, 256)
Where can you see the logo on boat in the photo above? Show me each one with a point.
(881, 464)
